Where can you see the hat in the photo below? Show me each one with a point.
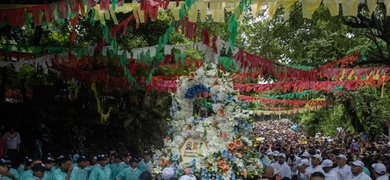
(81, 159)
(282, 155)
(101, 157)
(317, 156)
(327, 163)
(342, 156)
(303, 162)
(39, 167)
(358, 163)
(63, 159)
(270, 153)
(3, 162)
(379, 168)
(305, 154)
(168, 173)
(133, 160)
(28, 161)
(127, 154)
(47, 160)
(276, 153)
(118, 156)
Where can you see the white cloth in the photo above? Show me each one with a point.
(310, 170)
(282, 169)
(332, 175)
(383, 177)
(12, 140)
(187, 177)
(361, 176)
(344, 171)
(294, 163)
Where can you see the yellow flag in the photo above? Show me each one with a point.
(371, 5)
(193, 13)
(175, 13)
(333, 6)
(387, 4)
(135, 12)
(350, 7)
(309, 6)
(202, 11)
(256, 7)
(376, 75)
(342, 75)
(127, 7)
(351, 75)
(287, 5)
(272, 6)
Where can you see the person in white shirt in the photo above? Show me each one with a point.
(188, 175)
(315, 165)
(302, 166)
(12, 139)
(270, 158)
(293, 161)
(327, 167)
(357, 171)
(342, 168)
(281, 168)
(380, 171)
(306, 155)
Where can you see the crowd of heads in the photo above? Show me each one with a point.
(282, 141)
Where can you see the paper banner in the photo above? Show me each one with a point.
(13, 13)
(294, 103)
(292, 111)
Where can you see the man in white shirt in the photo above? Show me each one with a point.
(342, 168)
(270, 158)
(380, 171)
(302, 166)
(293, 161)
(357, 171)
(188, 175)
(281, 168)
(12, 139)
(327, 167)
(315, 165)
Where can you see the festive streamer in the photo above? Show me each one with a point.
(103, 117)
(294, 103)
(294, 86)
(292, 111)
(13, 15)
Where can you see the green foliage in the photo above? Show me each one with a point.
(324, 121)
(301, 41)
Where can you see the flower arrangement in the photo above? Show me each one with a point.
(226, 131)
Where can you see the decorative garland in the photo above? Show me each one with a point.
(226, 131)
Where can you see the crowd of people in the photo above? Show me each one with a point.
(283, 148)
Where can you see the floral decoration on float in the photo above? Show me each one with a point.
(221, 142)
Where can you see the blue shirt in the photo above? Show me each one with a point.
(48, 175)
(115, 169)
(31, 178)
(143, 166)
(129, 174)
(79, 174)
(13, 172)
(58, 174)
(26, 174)
(100, 173)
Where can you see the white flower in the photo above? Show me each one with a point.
(217, 129)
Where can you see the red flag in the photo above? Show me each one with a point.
(104, 4)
